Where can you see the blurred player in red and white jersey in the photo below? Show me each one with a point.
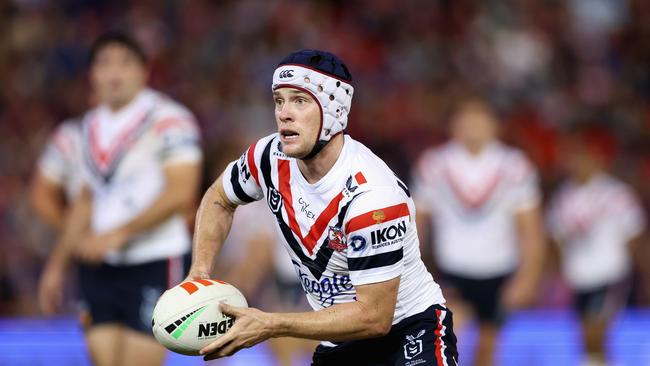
(58, 177)
(594, 218)
(481, 199)
(140, 161)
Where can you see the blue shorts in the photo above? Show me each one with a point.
(128, 294)
(427, 338)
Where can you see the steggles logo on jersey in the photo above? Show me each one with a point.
(388, 235)
(414, 345)
(378, 216)
(285, 74)
(274, 200)
(357, 243)
(337, 239)
(326, 289)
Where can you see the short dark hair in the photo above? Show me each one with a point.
(119, 38)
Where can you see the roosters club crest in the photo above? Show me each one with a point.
(336, 239)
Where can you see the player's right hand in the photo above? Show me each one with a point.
(50, 289)
(197, 274)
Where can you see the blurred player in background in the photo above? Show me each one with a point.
(595, 218)
(58, 178)
(347, 223)
(482, 201)
(141, 168)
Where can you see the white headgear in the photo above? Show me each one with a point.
(333, 95)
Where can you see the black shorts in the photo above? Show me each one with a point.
(483, 295)
(427, 338)
(602, 302)
(128, 294)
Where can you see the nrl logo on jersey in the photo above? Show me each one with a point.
(274, 200)
(413, 347)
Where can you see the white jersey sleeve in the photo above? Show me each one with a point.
(241, 179)
(179, 135)
(628, 213)
(425, 178)
(378, 223)
(553, 219)
(525, 193)
(52, 163)
(60, 160)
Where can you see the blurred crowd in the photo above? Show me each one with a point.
(545, 64)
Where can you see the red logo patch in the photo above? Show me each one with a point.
(337, 240)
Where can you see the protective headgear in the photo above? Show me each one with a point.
(326, 78)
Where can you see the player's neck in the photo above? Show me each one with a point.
(585, 177)
(476, 148)
(118, 105)
(316, 168)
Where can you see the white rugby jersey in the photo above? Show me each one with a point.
(353, 227)
(124, 154)
(60, 161)
(593, 223)
(472, 200)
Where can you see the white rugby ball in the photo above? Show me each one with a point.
(187, 316)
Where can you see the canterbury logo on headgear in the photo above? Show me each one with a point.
(333, 95)
(286, 74)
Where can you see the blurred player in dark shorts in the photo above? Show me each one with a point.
(140, 162)
(595, 219)
(481, 199)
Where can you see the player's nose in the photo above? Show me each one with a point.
(284, 113)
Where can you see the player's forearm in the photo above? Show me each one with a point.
(532, 245)
(342, 322)
(178, 194)
(47, 201)
(77, 222)
(50, 211)
(213, 222)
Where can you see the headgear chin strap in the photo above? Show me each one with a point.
(326, 79)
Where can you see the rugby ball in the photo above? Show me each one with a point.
(187, 317)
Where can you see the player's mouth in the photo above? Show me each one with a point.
(287, 135)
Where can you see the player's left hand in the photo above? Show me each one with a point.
(94, 248)
(518, 293)
(251, 327)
